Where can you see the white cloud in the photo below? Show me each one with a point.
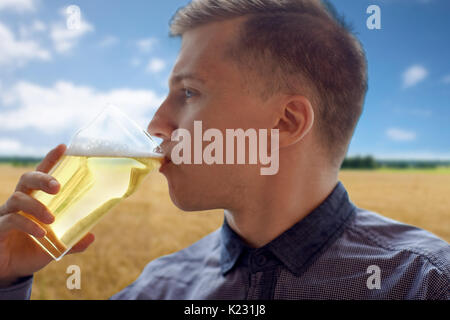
(64, 39)
(413, 75)
(400, 134)
(109, 41)
(155, 65)
(17, 53)
(66, 106)
(13, 147)
(27, 31)
(8, 146)
(146, 45)
(18, 5)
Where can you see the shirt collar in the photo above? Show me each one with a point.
(297, 246)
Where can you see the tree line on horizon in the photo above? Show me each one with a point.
(369, 162)
(20, 161)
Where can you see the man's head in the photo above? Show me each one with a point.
(266, 64)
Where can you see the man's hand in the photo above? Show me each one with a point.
(19, 255)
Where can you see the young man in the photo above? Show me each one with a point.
(260, 64)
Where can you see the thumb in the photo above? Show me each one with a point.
(51, 158)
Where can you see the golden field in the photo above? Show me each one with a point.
(147, 225)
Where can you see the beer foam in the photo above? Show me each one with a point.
(94, 148)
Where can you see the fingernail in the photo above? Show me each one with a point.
(50, 218)
(53, 184)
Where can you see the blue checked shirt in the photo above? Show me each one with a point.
(338, 251)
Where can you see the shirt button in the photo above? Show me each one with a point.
(261, 260)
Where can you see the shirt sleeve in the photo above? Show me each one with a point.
(21, 290)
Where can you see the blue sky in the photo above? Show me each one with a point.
(53, 80)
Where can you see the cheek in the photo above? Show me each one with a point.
(222, 110)
(213, 112)
(195, 187)
(202, 179)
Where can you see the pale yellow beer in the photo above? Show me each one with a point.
(90, 186)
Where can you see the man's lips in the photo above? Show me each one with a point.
(165, 162)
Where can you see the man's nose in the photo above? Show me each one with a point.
(162, 125)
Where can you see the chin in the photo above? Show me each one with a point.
(192, 201)
(191, 192)
(186, 204)
(182, 200)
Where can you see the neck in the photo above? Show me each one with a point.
(278, 203)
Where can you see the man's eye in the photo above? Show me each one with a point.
(188, 93)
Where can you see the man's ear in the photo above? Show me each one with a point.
(295, 120)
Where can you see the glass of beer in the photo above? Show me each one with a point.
(104, 163)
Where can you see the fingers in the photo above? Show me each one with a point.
(14, 221)
(51, 158)
(82, 244)
(37, 181)
(22, 202)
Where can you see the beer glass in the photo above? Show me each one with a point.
(104, 163)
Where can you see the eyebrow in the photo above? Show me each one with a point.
(182, 76)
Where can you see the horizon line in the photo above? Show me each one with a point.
(380, 158)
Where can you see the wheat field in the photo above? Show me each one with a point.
(147, 225)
